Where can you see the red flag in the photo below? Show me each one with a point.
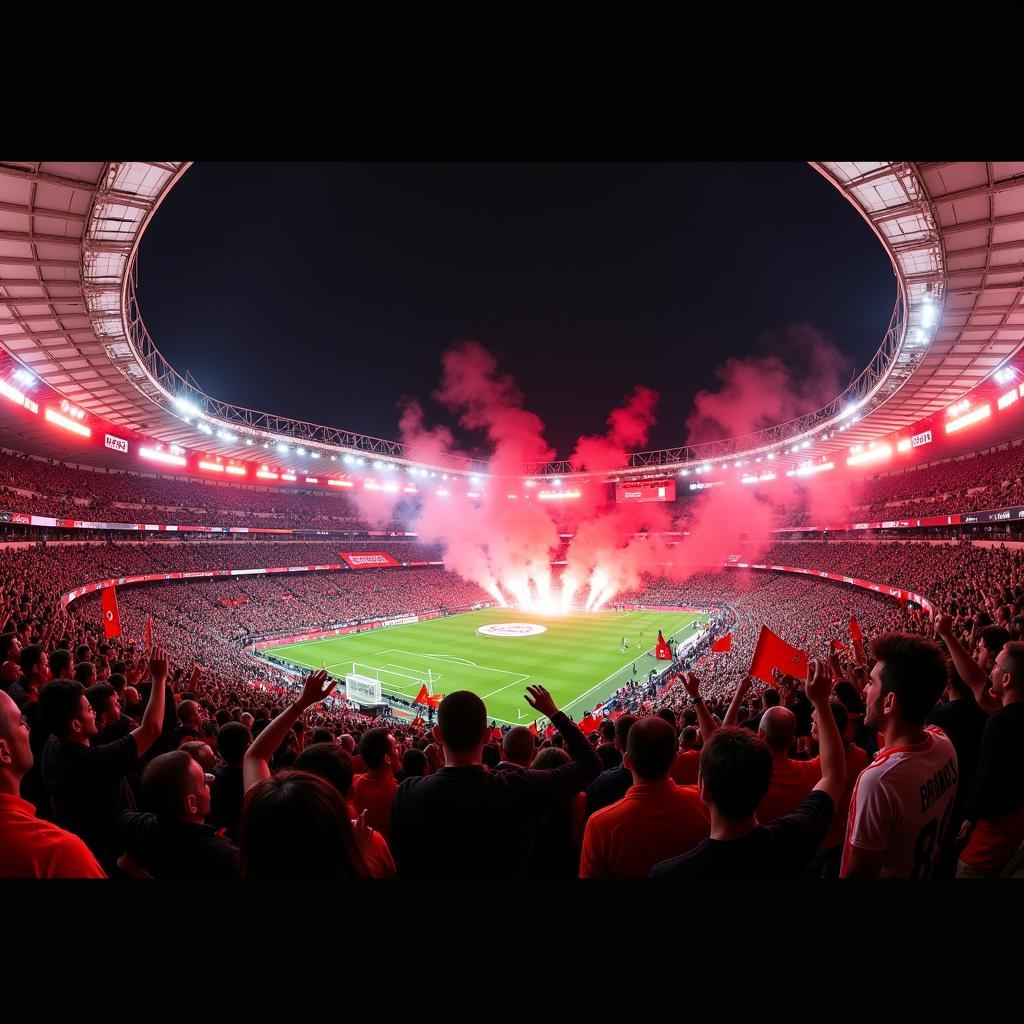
(533, 729)
(147, 637)
(835, 646)
(662, 651)
(496, 735)
(589, 725)
(549, 731)
(423, 696)
(434, 699)
(111, 617)
(722, 644)
(857, 638)
(773, 652)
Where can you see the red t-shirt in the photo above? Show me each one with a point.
(378, 857)
(856, 762)
(994, 841)
(791, 782)
(375, 796)
(33, 848)
(686, 768)
(652, 822)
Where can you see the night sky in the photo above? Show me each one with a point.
(328, 291)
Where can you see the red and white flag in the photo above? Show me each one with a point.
(111, 616)
(773, 652)
(147, 637)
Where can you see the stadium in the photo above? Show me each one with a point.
(224, 628)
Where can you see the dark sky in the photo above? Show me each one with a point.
(327, 291)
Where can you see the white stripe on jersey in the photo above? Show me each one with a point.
(901, 804)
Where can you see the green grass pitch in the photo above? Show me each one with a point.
(577, 658)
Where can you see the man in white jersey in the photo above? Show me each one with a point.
(901, 802)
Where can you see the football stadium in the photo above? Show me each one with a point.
(724, 578)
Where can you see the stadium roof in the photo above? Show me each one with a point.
(69, 233)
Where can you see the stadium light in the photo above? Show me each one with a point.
(314, 455)
(557, 482)
(213, 467)
(282, 447)
(300, 451)
(876, 454)
(905, 445)
(24, 378)
(340, 483)
(15, 396)
(360, 462)
(158, 456)
(770, 455)
(264, 474)
(975, 416)
(248, 440)
(236, 470)
(186, 407)
(312, 480)
(54, 417)
(1008, 399)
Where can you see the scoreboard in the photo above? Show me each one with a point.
(646, 490)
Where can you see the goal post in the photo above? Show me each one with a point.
(361, 689)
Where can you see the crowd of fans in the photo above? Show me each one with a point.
(190, 759)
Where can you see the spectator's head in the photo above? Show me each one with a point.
(174, 787)
(688, 738)
(62, 665)
(669, 715)
(189, 715)
(778, 728)
(10, 647)
(82, 653)
(15, 750)
(622, 726)
(222, 716)
(491, 755)
(607, 731)
(378, 749)
(462, 724)
(118, 682)
(839, 713)
(202, 753)
(735, 772)
(85, 673)
(1008, 673)
(247, 720)
(35, 665)
(66, 711)
(330, 762)
(907, 680)
(296, 825)
(347, 743)
(956, 688)
(414, 764)
(321, 736)
(650, 749)
(233, 741)
(992, 640)
(518, 746)
(549, 758)
(106, 703)
(770, 697)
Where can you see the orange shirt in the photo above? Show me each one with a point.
(375, 796)
(856, 762)
(33, 848)
(791, 782)
(686, 768)
(652, 822)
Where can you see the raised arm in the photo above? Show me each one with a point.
(256, 764)
(830, 743)
(153, 718)
(742, 688)
(704, 719)
(970, 671)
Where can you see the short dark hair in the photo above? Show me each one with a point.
(736, 770)
(118, 682)
(608, 730)
(374, 746)
(462, 719)
(622, 726)
(98, 695)
(689, 735)
(491, 755)
(549, 758)
(84, 671)
(59, 702)
(222, 717)
(669, 715)
(840, 714)
(165, 783)
(60, 662)
(330, 762)
(321, 736)
(770, 697)
(651, 746)
(994, 638)
(233, 740)
(82, 652)
(912, 668)
(6, 639)
(414, 764)
(30, 656)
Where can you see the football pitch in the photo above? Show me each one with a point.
(577, 656)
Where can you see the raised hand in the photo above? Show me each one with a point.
(819, 682)
(541, 701)
(159, 666)
(314, 690)
(743, 687)
(943, 625)
(692, 685)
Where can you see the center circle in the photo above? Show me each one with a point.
(512, 629)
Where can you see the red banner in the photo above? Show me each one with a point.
(367, 559)
(111, 616)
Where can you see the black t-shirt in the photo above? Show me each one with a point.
(781, 849)
(88, 788)
(999, 781)
(176, 849)
(963, 720)
(226, 799)
(608, 788)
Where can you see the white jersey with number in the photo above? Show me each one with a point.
(900, 807)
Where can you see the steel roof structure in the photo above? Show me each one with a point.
(70, 232)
